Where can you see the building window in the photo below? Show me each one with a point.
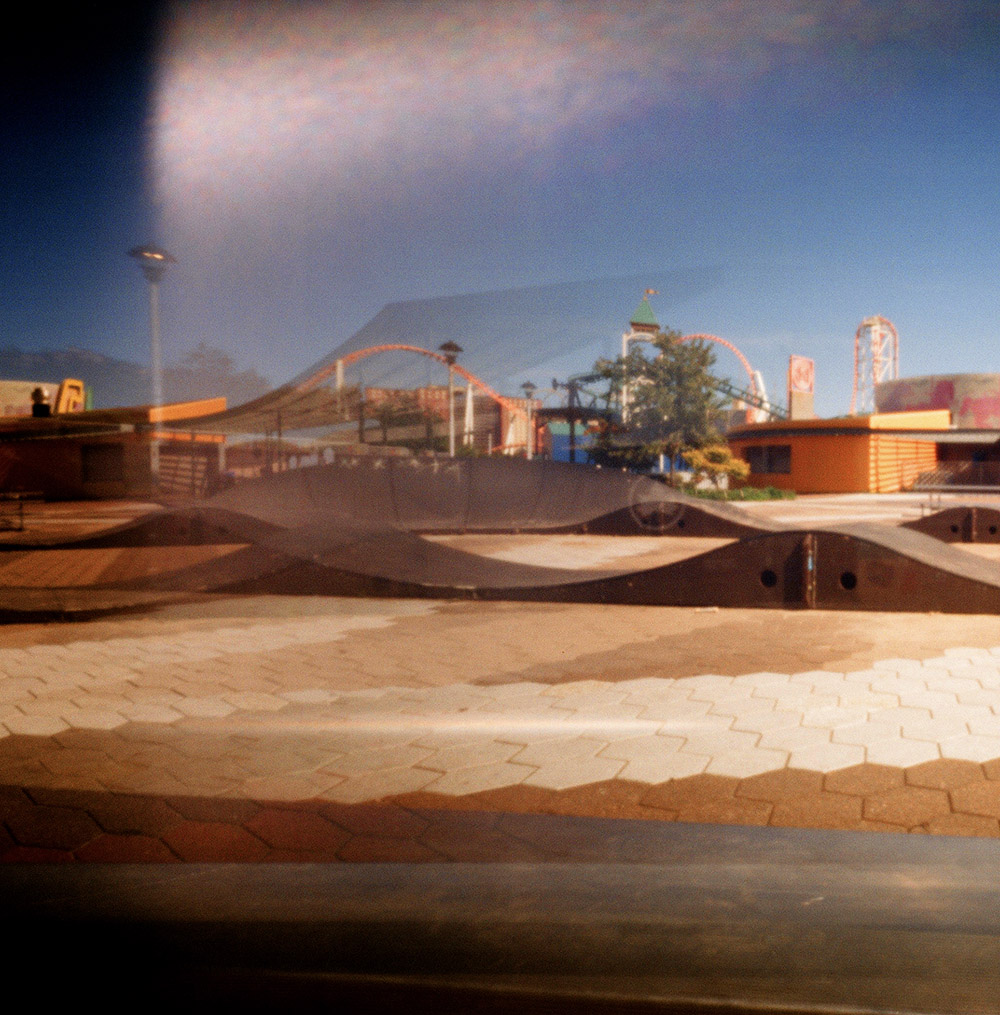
(103, 463)
(770, 459)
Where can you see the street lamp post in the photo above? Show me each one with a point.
(154, 262)
(451, 351)
(529, 392)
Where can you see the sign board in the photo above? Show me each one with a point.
(801, 374)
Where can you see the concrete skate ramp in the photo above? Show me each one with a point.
(480, 495)
(962, 524)
(865, 567)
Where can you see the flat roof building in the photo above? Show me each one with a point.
(880, 453)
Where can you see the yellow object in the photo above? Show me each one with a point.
(71, 397)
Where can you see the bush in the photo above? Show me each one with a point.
(743, 493)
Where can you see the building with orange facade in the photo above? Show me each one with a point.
(140, 451)
(880, 453)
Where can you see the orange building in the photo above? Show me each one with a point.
(140, 451)
(881, 453)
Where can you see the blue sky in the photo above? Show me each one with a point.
(309, 163)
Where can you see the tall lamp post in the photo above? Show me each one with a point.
(529, 393)
(451, 351)
(154, 262)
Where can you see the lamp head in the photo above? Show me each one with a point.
(153, 260)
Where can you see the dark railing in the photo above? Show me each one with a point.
(960, 474)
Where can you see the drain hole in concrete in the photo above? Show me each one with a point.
(848, 580)
(768, 579)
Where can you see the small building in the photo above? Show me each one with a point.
(880, 453)
(135, 452)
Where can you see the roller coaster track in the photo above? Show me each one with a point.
(314, 380)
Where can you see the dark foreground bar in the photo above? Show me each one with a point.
(729, 920)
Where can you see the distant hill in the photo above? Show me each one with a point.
(204, 373)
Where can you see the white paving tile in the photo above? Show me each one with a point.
(34, 725)
(479, 753)
(557, 752)
(901, 752)
(719, 741)
(380, 783)
(828, 757)
(744, 764)
(358, 762)
(648, 758)
(481, 778)
(676, 711)
(767, 722)
(570, 772)
(971, 748)
(985, 726)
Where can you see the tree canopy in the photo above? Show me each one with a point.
(671, 404)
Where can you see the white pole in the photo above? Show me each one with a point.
(451, 412)
(624, 378)
(470, 418)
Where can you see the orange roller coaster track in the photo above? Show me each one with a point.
(732, 348)
(323, 373)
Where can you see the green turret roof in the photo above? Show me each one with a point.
(644, 319)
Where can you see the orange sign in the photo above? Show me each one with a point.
(801, 374)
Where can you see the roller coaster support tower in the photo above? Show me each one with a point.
(876, 359)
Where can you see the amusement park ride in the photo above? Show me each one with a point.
(323, 396)
(876, 359)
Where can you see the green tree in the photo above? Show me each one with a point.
(672, 404)
(715, 462)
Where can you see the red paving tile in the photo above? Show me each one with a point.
(52, 827)
(224, 809)
(385, 820)
(864, 780)
(131, 815)
(784, 784)
(126, 849)
(209, 841)
(945, 773)
(908, 806)
(964, 824)
(297, 831)
(977, 798)
(35, 854)
(827, 810)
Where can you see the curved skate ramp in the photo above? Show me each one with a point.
(864, 567)
(189, 526)
(480, 495)
(962, 524)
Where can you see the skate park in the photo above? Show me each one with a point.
(181, 771)
(368, 690)
(452, 665)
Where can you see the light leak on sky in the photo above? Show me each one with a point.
(313, 161)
